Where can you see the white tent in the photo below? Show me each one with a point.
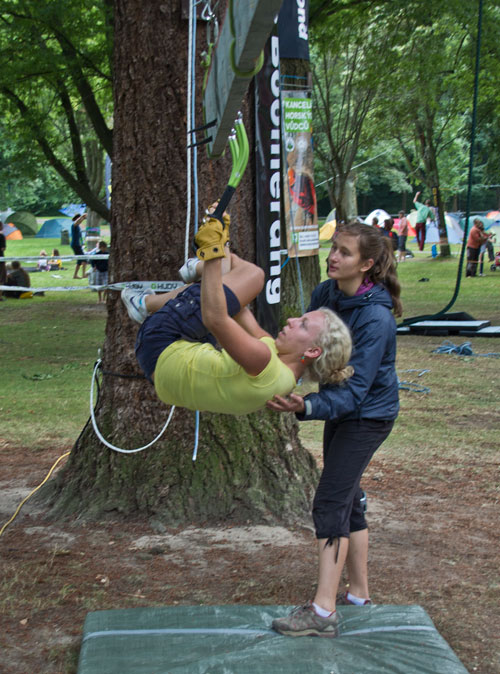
(328, 229)
(5, 214)
(377, 213)
(455, 233)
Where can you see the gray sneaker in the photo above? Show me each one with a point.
(188, 271)
(303, 621)
(134, 302)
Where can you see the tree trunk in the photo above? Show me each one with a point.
(249, 468)
(94, 160)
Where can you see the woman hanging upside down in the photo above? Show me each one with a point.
(176, 342)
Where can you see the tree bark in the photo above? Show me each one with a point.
(429, 157)
(249, 468)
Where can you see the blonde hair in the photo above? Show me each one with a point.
(336, 345)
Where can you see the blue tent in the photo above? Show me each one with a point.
(51, 229)
(73, 209)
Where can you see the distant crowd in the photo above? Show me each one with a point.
(15, 276)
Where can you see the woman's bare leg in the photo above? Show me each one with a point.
(155, 302)
(245, 279)
(331, 563)
(357, 564)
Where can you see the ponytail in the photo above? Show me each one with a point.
(373, 245)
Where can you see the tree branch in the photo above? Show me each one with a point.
(82, 190)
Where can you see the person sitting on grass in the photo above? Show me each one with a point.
(43, 262)
(175, 345)
(20, 278)
(55, 262)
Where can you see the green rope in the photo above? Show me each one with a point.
(415, 319)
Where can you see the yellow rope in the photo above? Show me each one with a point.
(31, 493)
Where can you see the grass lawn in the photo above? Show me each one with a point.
(47, 348)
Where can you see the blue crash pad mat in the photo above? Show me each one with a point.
(238, 639)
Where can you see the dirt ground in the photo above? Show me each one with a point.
(432, 543)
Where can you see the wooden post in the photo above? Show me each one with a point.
(253, 22)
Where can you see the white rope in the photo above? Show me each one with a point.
(191, 139)
(63, 258)
(98, 432)
(188, 135)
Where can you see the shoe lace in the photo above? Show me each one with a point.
(303, 607)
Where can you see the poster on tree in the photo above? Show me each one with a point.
(299, 195)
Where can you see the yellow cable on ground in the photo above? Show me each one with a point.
(31, 493)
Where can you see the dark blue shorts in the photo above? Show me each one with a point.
(78, 250)
(179, 318)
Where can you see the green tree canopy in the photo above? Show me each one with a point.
(56, 85)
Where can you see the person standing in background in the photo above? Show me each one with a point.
(402, 236)
(3, 271)
(477, 237)
(77, 244)
(424, 213)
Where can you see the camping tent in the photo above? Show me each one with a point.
(51, 229)
(377, 213)
(487, 222)
(327, 230)
(25, 221)
(495, 230)
(4, 215)
(73, 209)
(11, 233)
(453, 229)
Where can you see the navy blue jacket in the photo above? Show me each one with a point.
(373, 390)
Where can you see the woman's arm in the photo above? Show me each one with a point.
(246, 349)
(247, 320)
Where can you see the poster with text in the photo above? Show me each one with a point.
(299, 195)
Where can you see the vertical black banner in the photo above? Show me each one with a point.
(268, 182)
(293, 27)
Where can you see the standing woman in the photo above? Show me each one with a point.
(77, 243)
(364, 290)
(3, 270)
(402, 236)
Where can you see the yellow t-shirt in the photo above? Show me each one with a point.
(199, 377)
